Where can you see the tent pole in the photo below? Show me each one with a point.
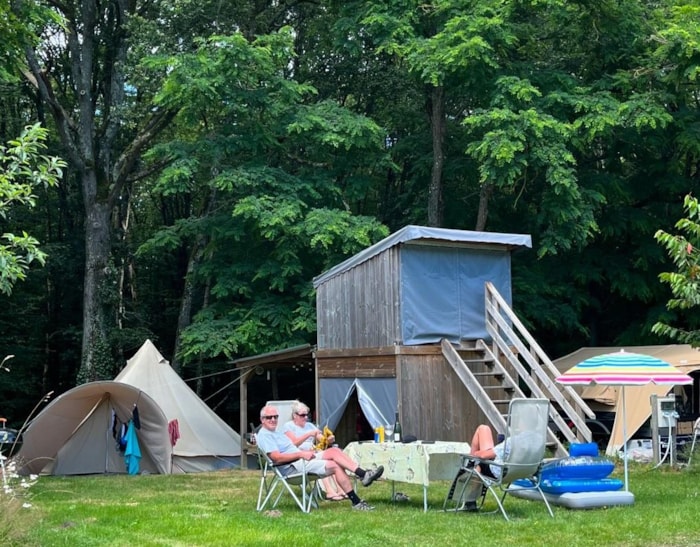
(624, 438)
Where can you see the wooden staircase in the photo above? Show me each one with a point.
(513, 365)
(490, 384)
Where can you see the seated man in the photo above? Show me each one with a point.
(333, 461)
(305, 435)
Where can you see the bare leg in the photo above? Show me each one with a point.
(482, 446)
(332, 489)
(338, 456)
(482, 443)
(340, 476)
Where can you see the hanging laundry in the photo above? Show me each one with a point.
(119, 430)
(132, 453)
(174, 431)
(136, 418)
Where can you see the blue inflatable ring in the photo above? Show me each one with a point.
(580, 467)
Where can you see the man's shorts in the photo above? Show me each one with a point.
(316, 466)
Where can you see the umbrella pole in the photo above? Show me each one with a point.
(624, 437)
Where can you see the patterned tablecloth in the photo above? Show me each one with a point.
(415, 463)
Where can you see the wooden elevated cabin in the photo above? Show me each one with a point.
(421, 324)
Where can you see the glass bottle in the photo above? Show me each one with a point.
(397, 429)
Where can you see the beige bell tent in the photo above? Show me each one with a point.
(73, 435)
(206, 442)
(638, 398)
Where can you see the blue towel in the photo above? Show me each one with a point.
(132, 454)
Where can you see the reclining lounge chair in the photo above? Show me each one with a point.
(525, 443)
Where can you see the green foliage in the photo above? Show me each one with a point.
(273, 172)
(261, 293)
(515, 141)
(684, 250)
(294, 146)
(22, 169)
(19, 22)
(678, 41)
(328, 124)
(442, 38)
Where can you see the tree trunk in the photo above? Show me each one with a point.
(185, 316)
(96, 361)
(100, 147)
(183, 320)
(484, 198)
(437, 126)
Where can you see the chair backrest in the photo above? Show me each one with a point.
(526, 438)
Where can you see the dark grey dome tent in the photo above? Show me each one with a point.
(73, 435)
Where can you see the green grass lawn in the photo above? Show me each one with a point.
(218, 509)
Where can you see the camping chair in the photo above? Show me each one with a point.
(525, 443)
(272, 478)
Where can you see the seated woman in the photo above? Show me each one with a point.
(304, 434)
(483, 446)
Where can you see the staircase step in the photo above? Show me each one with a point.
(500, 386)
(490, 373)
(485, 361)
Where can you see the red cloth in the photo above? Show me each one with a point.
(173, 431)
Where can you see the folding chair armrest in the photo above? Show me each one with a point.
(469, 461)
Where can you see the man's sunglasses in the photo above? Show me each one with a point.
(273, 417)
(303, 414)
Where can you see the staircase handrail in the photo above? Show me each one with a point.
(537, 392)
(542, 366)
(487, 406)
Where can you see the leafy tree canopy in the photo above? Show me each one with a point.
(275, 173)
(22, 169)
(684, 250)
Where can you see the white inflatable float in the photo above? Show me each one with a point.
(580, 500)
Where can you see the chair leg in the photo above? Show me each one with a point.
(546, 502)
(499, 501)
(451, 491)
(270, 489)
(263, 488)
(315, 495)
(696, 432)
(458, 486)
(463, 484)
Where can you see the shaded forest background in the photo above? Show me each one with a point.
(222, 154)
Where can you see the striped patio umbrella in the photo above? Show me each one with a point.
(622, 369)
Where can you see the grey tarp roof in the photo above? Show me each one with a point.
(418, 233)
